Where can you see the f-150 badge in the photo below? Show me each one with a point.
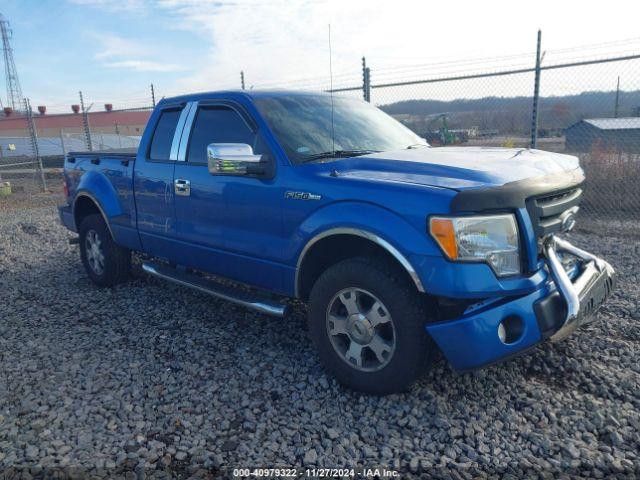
(302, 196)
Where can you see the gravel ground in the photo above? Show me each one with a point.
(149, 377)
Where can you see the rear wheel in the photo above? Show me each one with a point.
(106, 263)
(368, 325)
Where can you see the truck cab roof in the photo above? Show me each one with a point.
(262, 93)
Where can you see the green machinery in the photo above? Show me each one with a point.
(443, 136)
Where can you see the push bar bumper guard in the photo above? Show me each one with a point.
(584, 295)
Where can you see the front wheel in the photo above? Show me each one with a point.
(368, 326)
(106, 263)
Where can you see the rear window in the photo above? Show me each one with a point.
(163, 135)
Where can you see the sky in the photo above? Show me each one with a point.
(113, 50)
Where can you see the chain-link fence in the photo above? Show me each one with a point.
(18, 150)
(34, 144)
(585, 107)
(588, 108)
(21, 152)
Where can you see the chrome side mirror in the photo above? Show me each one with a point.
(233, 159)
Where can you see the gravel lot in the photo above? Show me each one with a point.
(156, 378)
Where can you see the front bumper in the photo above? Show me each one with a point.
(566, 301)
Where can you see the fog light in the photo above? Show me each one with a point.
(502, 333)
(510, 329)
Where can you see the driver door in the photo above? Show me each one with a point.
(231, 225)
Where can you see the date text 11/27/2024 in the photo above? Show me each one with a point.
(315, 473)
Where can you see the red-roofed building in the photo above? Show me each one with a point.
(124, 122)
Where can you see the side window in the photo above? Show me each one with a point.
(219, 125)
(163, 134)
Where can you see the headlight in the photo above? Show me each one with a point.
(492, 239)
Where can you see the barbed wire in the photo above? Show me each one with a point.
(433, 69)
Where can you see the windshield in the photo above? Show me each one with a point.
(302, 125)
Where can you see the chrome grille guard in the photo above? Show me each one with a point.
(586, 293)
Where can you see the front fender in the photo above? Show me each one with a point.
(378, 224)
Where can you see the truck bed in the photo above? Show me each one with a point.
(104, 171)
(116, 152)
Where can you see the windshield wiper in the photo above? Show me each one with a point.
(337, 154)
(416, 145)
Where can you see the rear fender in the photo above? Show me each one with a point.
(97, 187)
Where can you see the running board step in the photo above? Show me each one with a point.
(216, 289)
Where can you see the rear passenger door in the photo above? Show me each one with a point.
(232, 224)
(153, 182)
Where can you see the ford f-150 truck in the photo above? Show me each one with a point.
(398, 248)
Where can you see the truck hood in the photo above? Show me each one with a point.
(456, 168)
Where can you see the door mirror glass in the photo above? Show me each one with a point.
(234, 159)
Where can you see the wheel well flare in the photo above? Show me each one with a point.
(330, 248)
(85, 206)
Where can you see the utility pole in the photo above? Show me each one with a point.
(119, 137)
(366, 81)
(85, 124)
(64, 149)
(242, 79)
(536, 95)
(33, 134)
(153, 96)
(617, 104)
(14, 92)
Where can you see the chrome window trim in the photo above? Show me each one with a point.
(186, 132)
(177, 135)
(364, 234)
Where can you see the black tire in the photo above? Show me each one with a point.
(407, 307)
(116, 262)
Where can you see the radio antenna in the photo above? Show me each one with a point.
(333, 131)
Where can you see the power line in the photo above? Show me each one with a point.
(592, 46)
(461, 62)
(434, 71)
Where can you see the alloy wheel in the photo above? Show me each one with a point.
(94, 251)
(361, 329)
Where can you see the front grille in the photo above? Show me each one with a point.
(546, 211)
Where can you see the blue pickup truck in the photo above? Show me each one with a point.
(399, 249)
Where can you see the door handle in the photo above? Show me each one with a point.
(182, 187)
